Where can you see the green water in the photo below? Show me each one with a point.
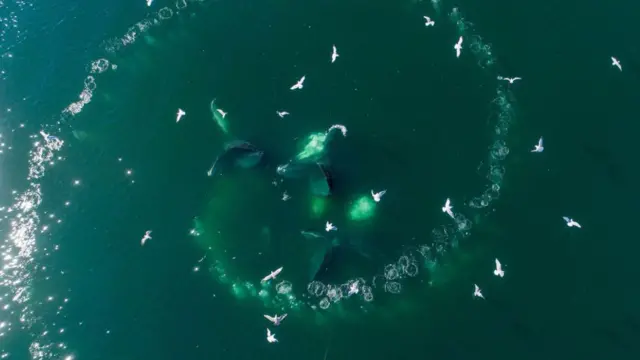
(422, 124)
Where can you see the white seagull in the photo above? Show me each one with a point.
(510, 80)
(447, 208)
(180, 114)
(616, 63)
(147, 236)
(275, 319)
(458, 47)
(538, 147)
(271, 337)
(299, 84)
(498, 271)
(272, 275)
(282, 113)
(222, 112)
(334, 54)
(377, 196)
(330, 227)
(353, 289)
(477, 291)
(571, 222)
(428, 21)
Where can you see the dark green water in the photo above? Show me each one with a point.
(421, 124)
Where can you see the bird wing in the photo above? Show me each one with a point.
(540, 142)
(566, 219)
(268, 332)
(498, 264)
(270, 318)
(283, 316)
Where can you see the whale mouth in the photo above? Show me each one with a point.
(238, 153)
(319, 175)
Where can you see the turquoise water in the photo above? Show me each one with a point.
(107, 81)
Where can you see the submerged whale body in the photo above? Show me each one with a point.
(237, 153)
(325, 254)
(319, 175)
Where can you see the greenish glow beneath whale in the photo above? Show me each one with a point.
(314, 146)
(318, 205)
(363, 208)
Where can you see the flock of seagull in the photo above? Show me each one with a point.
(377, 196)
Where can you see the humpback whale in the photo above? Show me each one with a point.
(237, 153)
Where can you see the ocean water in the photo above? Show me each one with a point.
(92, 157)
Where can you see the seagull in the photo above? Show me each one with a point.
(353, 289)
(272, 275)
(538, 147)
(477, 291)
(571, 222)
(147, 236)
(334, 54)
(498, 271)
(47, 136)
(377, 196)
(222, 112)
(458, 47)
(428, 21)
(447, 208)
(285, 196)
(282, 113)
(330, 227)
(510, 80)
(299, 84)
(180, 114)
(616, 63)
(271, 337)
(275, 319)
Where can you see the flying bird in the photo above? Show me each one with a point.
(498, 271)
(458, 47)
(428, 21)
(616, 63)
(271, 337)
(222, 112)
(329, 227)
(272, 275)
(334, 54)
(180, 114)
(147, 236)
(377, 196)
(477, 292)
(510, 80)
(299, 84)
(571, 222)
(447, 208)
(538, 147)
(282, 113)
(275, 319)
